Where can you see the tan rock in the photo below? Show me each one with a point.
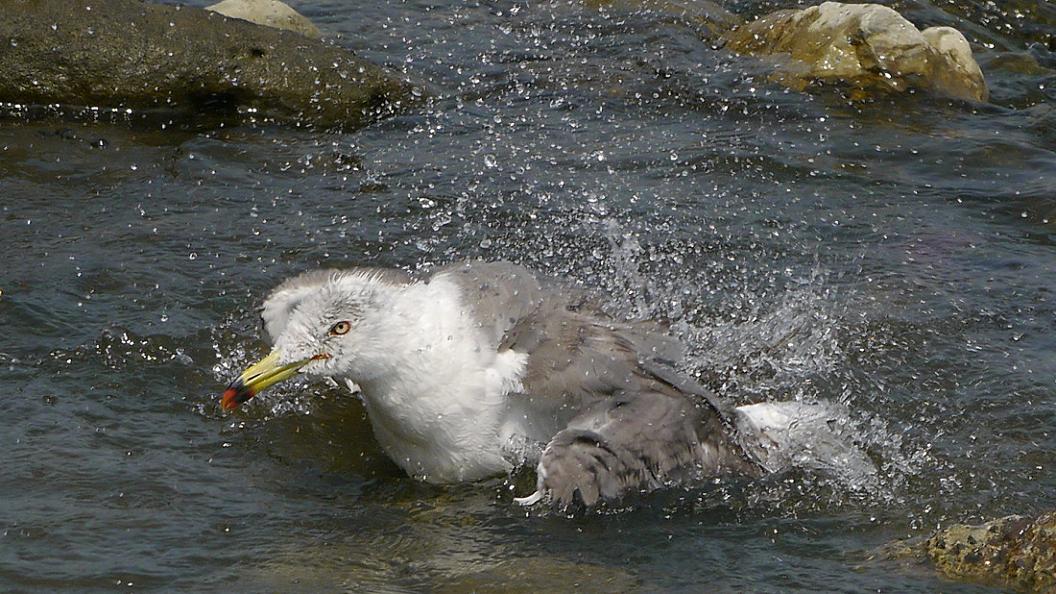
(868, 46)
(959, 62)
(1017, 551)
(269, 13)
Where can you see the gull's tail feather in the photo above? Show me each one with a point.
(817, 436)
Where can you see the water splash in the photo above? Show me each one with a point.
(784, 355)
(773, 349)
(233, 356)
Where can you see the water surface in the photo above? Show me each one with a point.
(893, 256)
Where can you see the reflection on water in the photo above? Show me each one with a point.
(889, 260)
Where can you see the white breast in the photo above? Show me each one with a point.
(439, 411)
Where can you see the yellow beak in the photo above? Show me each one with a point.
(257, 378)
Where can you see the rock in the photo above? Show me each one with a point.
(957, 73)
(1016, 551)
(868, 46)
(129, 54)
(269, 13)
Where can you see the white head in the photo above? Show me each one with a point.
(323, 323)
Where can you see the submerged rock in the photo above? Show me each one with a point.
(869, 46)
(1017, 551)
(128, 54)
(269, 13)
(543, 574)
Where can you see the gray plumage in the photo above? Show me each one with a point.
(636, 424)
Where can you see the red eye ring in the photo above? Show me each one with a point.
(340, 328)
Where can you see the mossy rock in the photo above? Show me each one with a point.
(134, 55)
(1014, 551)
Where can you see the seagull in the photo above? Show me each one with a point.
(481, 368)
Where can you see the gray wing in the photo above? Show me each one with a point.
(575, 352)
(284, 299)
(624, 418)
(585, 356)
(497, 294)
(649, 426)
(640, 424)
(581, 356)
(636, 442)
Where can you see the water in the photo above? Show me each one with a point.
(892, 258)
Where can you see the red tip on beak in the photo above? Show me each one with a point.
(235, 394)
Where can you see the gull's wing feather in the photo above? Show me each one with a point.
(497, 295)
(580, 356)
(573, 348)
(637, 442)
(625, 418)
(576, 353)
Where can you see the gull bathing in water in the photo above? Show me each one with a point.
(481, 368)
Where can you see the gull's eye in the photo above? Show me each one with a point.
(340, 328)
